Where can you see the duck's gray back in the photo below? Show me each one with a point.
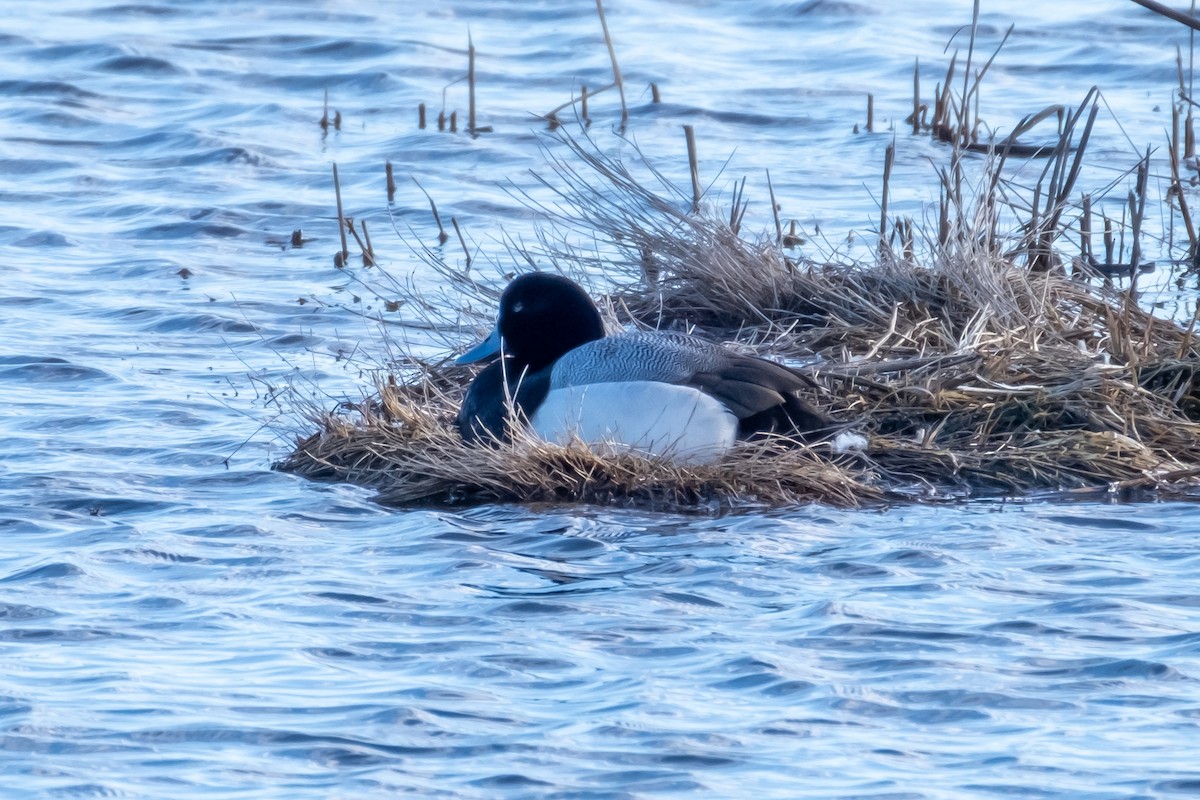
(638, 356)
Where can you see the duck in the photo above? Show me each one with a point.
(663, 394)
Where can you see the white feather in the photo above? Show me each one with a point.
(846, 442)
(661, 419)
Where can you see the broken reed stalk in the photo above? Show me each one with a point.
(774, 210)
(908, 239)
(987, 65)
(944, 97)
(1085, 230)
(1174, 140)
(369, 251)
(975, 119)
(1122, 228)
(470, 85)
(693, 166)
(1170, 13)
(364, 247)
(1056, 183)
(737, 208)
(889, 156)
(952, 122)
(421, 116)
(944, 201)
(964, 127)
(461, 241)
(1189, 135)
(391, 181)
(344, 255)
(583, 104)
(791, 238)
(443, 237)
(1137, 212)
(616, 68)
(1185, 212)
(870, 113)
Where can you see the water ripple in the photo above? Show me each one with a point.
(27, 369)
(142, 65)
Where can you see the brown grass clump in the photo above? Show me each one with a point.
(403, 443)
(973, 374)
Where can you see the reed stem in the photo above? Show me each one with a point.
(369, 253)
(1170, 13)
(442, 235)
(471, 85)
(341, 218)
(461, 241)
(774, 210)
(693, 165)
(616, 68)
(889, 156)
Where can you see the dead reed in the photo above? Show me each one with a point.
(344, 253)
(326, 122)
(616, 68)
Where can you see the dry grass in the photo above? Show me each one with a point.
(403, 443)
(974, 374)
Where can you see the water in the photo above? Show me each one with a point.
(177, 621)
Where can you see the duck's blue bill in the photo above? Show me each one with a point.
(486, 349)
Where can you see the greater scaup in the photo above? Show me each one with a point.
(666, 394)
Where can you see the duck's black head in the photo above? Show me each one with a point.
(543, 317)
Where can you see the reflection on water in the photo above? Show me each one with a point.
(178, 621)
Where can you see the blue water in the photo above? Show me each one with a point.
(178, 621)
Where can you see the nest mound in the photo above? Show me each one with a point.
(404, 444)
(974, 375)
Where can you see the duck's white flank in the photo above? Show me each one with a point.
(661, 419)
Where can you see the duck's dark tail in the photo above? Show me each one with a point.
(794, 416)
(763, 395)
